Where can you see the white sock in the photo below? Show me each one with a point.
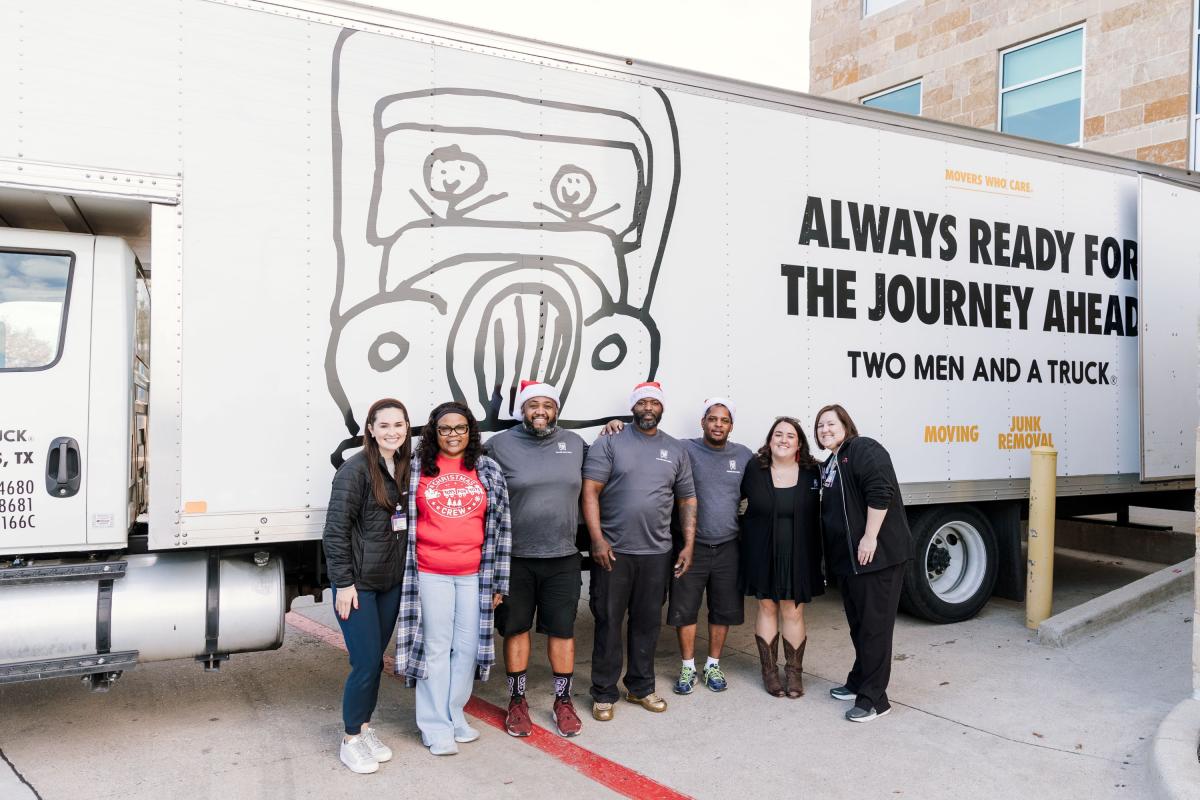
(689, 662)
(712, 662)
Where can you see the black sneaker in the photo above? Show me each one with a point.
(842, 693)
(857, 714)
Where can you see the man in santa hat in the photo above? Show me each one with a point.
(631, 482)
(542, 466)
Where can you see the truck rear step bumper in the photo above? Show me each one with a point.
(68, 667)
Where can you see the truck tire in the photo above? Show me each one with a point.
(953, 570)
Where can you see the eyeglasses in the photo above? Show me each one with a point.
(446, 430)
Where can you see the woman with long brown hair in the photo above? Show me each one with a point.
(365, 527)
(781, 550)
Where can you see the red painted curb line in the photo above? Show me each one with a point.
(617, 777)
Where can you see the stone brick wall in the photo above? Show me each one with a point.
(1137, 62)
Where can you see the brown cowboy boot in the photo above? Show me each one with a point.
(768, 655)
(793, 675)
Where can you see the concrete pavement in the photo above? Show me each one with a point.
(980, 708)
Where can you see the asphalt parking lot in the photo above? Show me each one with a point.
(981, 708)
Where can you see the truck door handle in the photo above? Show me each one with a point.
(63, 467)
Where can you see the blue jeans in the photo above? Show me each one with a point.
(367, 633)
(450, 626)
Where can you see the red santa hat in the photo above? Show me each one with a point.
(650, 389)
(529, 390)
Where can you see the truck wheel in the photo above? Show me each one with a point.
(953, 570)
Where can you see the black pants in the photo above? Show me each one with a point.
(871, 602)
(637, 586)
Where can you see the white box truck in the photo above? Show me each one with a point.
(226, 227)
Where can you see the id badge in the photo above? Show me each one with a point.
(399, 520)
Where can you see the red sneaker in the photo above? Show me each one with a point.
(565, 719)
(517, 723)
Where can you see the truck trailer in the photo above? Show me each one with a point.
(228, 226)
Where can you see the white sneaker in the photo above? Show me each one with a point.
(465, 734)
(380, 751)
(357, 756)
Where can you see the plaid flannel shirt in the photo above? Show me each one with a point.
(493, 576)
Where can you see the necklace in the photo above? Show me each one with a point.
(785, 473)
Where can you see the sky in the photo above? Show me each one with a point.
(763, 42)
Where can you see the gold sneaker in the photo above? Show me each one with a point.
(651, 702)
(602, 712)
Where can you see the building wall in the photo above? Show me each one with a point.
(1137, 62)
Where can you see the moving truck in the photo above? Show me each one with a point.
(228, 227)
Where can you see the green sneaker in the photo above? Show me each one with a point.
(714, 678)
(687, 680)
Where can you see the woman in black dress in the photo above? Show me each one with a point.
(781, 550)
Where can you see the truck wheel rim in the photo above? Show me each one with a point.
(955, 562)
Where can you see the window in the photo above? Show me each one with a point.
(875, 6)
(906, 99)
(1041, 88)
(141, 319)
(33, 303)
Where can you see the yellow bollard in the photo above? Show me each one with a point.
(1039, 581)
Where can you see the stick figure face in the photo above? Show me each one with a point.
(451, 174)
(573, 189)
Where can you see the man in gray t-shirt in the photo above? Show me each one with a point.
(632, 481)
(542, 465)
(718, 466)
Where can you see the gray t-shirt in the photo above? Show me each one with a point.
(642, 476)
(544, 477)
(718, 476)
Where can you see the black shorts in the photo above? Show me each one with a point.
(549, 586)
(715, 569)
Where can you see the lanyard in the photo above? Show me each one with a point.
(829, 474)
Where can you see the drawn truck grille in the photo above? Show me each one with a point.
(487, 238)
(521, 330)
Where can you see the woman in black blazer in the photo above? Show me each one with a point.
(781, 550)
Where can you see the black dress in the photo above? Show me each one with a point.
(781, 537)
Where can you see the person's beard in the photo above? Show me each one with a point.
(647, 425)
(541, 433)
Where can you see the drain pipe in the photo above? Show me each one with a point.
(1039, 581)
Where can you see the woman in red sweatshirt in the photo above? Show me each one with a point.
(455, 576)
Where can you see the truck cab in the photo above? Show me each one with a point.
(74, 366)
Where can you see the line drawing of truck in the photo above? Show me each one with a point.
(497, 283)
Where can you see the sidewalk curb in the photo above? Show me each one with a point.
(1174, 764)
(1119, 604)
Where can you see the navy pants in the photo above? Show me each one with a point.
(367, 633)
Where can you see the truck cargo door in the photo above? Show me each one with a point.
(1168, 299)
(45, 337)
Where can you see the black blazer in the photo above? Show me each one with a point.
(758, 532)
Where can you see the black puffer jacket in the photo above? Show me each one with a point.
(360, 547)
